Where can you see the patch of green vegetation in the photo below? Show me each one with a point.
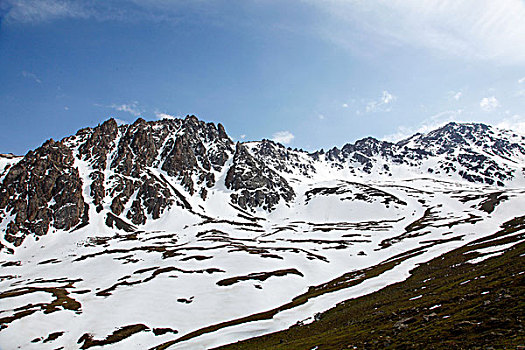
(446, 303)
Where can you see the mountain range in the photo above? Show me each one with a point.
(168, 233)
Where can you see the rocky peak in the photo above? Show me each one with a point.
(137, 172)
(254, 183)
(45, 189)
(98, 143)
(443, 139)
(282, 159)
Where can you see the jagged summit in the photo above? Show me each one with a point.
(137, 172)
(193, 241)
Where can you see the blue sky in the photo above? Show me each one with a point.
(311, 73)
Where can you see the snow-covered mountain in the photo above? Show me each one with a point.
(167, 233)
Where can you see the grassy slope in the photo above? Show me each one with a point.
(468, 317)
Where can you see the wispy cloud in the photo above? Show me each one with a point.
(284, 137)
(521, 81)
(457, 95)
(515, 123)
(480, 29)
(31, 76)
(131, 108)
(382, 104)
(40, 11)
(489, 104)
(31, 11)
(433, 122)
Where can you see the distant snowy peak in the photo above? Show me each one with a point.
(130, 175)
(474, 152)
(474, 137)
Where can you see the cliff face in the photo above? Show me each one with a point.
(43, 190)
(257, 184)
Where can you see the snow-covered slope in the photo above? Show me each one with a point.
(168, 234)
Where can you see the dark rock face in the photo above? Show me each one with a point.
(188, 150)
(189, 155)
(256, 184)
(44, 189)
(282, 159)
(95, 149)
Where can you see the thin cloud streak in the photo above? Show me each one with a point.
(381, 105)
(468, 29)
(131, 108)
(431, 123)
(34, 11)
(31, 76)
(41, 11)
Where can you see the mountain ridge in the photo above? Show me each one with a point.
(114, 160)
(169, 234)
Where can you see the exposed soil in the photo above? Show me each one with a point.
(62, 302)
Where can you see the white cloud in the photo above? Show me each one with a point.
(457, 96)
(161, 115)
(489, 104)
(321, 116)
(131, 108)
(387, 97)
(243, 136)
(515, 123)
(32, 76)
(284, 137)
(381, 105)
(482, 29)
(66, 108)
(345, 105)
(521, 81)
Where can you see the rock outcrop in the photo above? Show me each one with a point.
(43, 190)
(256, 185)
